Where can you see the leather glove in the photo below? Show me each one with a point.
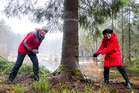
(35, 51)
(96, 54)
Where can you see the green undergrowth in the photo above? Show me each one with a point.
(43, 86)
(23, 69)
(6, 67)
(3, 64)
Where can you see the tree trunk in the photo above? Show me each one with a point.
(70, 35)
(96, 50)
(112, 19)
(129, 36)
(122, 38)
(69, 67)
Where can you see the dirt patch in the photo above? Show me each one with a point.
(27, 79)
(120, 87)
(24, 80)
(80, 84)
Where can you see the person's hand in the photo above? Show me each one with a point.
(96, 54)
(35, 51)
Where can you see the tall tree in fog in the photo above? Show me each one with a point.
(128, 25)
(132, 10)
(122, 38)
(8, 41)
(129, 33)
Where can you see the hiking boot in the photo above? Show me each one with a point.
(10, 81)
(128, 85)
(106, 82)
(127, 80)
(36, 78)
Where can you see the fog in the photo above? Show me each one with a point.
(52, 44)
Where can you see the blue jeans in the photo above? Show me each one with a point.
(19, 62)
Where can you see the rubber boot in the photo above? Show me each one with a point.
(106, 75)
(128, 85)
(123, 72)
(36, 78)
(10, 79)
(106, 78)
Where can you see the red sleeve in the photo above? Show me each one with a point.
(112, 46)
(101, 46)
(28, 39)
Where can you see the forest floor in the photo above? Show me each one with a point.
(26, 80)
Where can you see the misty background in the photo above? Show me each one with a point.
(10, 41)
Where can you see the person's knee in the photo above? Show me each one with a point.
(121, 69)
(106, 69)
(36, 64)
(18, 65)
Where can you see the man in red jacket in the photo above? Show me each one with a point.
(30, 46)
(110, 48)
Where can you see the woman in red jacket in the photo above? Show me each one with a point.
(29, 46)
(110, 48)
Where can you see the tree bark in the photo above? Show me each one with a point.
(129, 36)
(68, 70)
(69, 67)
(122, 38)
(70, 35)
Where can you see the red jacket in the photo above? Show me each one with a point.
(30, 42)
(111, 50)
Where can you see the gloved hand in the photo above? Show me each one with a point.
(35, 51)
(96, 54)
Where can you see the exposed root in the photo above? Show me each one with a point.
(64, 80)
(61, 78)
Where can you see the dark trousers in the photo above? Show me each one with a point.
(19, 62)
(121, 70)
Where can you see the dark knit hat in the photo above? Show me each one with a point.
(107, 31)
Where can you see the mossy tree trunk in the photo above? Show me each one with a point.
(69, 66)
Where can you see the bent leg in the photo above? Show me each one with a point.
(34, 60)
(124, 74)
(17, 65)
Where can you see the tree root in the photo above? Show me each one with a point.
(64, 80)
